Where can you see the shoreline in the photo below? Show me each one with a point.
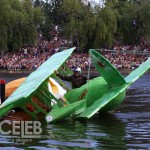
(93, 71)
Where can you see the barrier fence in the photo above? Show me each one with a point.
(125, 51)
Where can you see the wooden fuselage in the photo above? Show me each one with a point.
(95, 88)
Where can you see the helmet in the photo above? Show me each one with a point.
(77, 69)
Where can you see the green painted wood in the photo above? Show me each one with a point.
(103, 101)
(29, 112)
(63, 112)
(35, 79)
(39, 109)
(106, 69)
(5, 110)
(47, 93)
(103, 93)
(44, 100)
(64, 70)
(96, 88)
(137, 73)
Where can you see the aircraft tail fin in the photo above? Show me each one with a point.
(107, 70)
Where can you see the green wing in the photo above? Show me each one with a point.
(137, 73)
(103, 101)
(63, 112)
(107, 70)
(35, 79)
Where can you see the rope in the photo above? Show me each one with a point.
(88, 77)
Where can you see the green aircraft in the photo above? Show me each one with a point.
(100, 94)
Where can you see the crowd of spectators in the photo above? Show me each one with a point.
(30, 58)
(119, 60)
(143, 47)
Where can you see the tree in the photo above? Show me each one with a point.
(18, 23)
(133, 21)
(144, 18)
(92, 27)
(52, 17)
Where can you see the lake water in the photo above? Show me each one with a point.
(127, 127)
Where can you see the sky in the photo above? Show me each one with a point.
(98, 1)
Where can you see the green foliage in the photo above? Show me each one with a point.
(50, 9)
(91, 26)
(144, 18)
(97, 27)
(133, 11)
(18, 23)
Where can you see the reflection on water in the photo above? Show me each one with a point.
(127, 127)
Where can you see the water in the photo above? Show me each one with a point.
(127, 127)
